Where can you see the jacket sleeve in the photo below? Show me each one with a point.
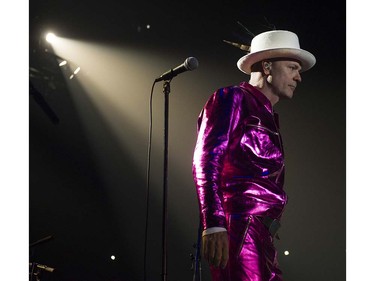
(216, 122)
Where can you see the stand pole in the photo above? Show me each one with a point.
(197, 276)
(166, 90)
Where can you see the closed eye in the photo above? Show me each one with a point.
(294, 67)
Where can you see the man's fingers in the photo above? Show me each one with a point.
(213, 253)
(225, 256)
(205, 247)
(215, 258)
(215, 248)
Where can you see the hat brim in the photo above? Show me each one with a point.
(306, 59)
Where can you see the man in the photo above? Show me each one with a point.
(238, 164)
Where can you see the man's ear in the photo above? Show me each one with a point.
(267, 65)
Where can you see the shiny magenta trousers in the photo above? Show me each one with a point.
(253, 256)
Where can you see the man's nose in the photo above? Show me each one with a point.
(298, 77)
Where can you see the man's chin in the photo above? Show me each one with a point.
(287, 97)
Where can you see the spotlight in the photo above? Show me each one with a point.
(50, 37)
(286, 253)
(113, 257)
(77, 70)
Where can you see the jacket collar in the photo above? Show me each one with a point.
(258, 95)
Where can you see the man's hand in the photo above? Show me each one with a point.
(215, 248)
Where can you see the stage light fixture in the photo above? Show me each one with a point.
(50, 37)
(286, 253)
(113, 257)
(64, 62)
(77, 70)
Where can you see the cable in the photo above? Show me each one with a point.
(148, 184)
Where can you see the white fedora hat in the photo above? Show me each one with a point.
(275, 44)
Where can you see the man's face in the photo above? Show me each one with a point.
(284, 76)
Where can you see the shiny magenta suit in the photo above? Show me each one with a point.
(238, 169)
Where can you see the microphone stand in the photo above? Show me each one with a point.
(189, 64)
(197, 276)
(166, 91)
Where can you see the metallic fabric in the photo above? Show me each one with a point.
(252, 256)
(238, 164)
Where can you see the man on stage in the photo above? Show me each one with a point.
(238, 164)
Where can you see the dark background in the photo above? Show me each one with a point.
(87, 172)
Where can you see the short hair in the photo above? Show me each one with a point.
(257, 67)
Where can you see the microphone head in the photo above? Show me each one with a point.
(191, 63)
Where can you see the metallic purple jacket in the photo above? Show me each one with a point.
(238, 164)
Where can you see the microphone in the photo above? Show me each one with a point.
(190, 63)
